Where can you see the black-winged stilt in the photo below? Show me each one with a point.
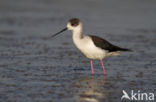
(93, 47)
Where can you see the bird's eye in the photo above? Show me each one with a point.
(72, 24)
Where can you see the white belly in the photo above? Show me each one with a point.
(87, 47)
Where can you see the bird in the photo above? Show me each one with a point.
(91, 46)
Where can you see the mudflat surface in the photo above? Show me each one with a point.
(36, 69)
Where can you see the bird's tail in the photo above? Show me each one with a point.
(124, 49)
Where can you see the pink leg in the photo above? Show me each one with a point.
(92, 68)
(103, 67)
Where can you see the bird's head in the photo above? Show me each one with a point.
(73, 24)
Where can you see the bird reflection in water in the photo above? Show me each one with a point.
(92, 90)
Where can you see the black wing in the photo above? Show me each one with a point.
(103, 44)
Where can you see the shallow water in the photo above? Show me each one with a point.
(36, 69)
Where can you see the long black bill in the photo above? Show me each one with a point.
(59, 32)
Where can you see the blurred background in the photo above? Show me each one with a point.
(35, 69)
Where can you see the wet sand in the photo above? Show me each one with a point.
(36, 69)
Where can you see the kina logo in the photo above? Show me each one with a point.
(137, 96)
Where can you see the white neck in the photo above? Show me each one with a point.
(77, 32)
